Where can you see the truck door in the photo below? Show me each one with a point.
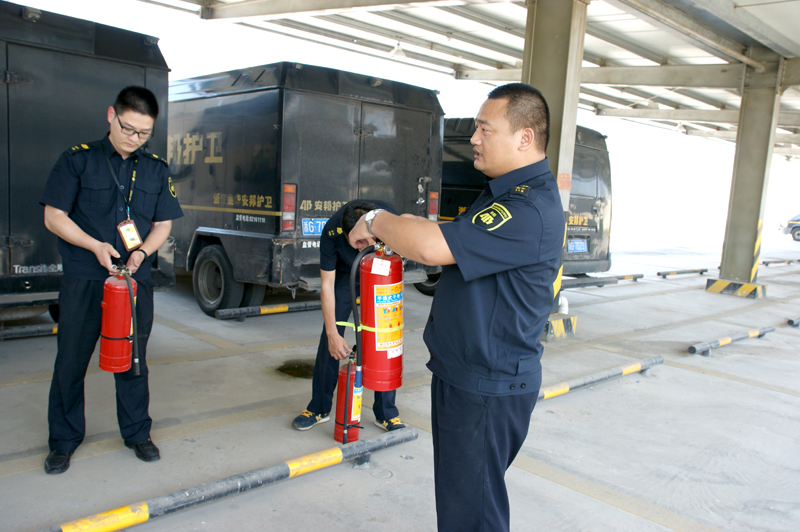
(391, 141)
(320, 156)
(583, 234)
(47, 115)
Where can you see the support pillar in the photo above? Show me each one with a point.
(758, 118)
(552, 62)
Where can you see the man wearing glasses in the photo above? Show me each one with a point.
(106, 200)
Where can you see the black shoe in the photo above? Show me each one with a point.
(145, 450)
(57, 462)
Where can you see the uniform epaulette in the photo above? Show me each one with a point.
(521, 190)
(156, 157)
(79, 147)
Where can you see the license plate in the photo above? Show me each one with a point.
(577, 246)
(313, 226)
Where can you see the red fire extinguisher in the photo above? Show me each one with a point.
(349, 392)
(382, 320)
(379, 344)
(118, 326)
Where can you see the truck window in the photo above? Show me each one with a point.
(584, 174)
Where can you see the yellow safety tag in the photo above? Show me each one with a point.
(363, 327)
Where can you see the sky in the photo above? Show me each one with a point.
(669, 189)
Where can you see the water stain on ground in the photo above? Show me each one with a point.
(302, 368)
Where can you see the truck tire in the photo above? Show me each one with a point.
(796, 233)
(253, 295)
(213, 283)
(428, 287)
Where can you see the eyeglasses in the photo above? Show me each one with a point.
(131, 132)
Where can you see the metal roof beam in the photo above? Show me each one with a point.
(697, 76)
(504, 74)
(779, 138)
(694, 76)
(786, 151)
(267, 9)
(416, 22)
(750, 25)
(491, 22)
(646, 97)
(694, 95)
(414, 41)
(313, 30)
(786, 118)
(607, 97)
(667, 17)
(619, 42)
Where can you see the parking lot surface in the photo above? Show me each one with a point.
(694, 444)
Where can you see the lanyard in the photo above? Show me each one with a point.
(116, 180)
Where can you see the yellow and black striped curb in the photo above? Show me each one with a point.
(141, 512)
(560, 326)
(750, 291)
(704, 348)
(663, 275)
(25, 331)
(261, 310)
(588, 380)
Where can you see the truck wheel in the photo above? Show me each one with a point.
(212, 279)
(796, 233)
(428, 287)
(253, 295)
(54, 311)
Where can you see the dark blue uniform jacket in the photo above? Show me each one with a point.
(81, 185)
(492, 305)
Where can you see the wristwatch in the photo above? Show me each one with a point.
(369, 217)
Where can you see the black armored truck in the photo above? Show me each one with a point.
(61, 73)
(261, 158)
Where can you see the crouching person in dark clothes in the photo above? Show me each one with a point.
(336, 257)
(91, 190)
(494, 295)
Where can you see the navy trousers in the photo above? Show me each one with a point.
(326, 368)
(475, 439)
(80, 314)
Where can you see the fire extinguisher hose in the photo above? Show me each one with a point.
(135, 351)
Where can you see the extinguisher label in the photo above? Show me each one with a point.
(356, 412)
(381, 267)
(389, 317)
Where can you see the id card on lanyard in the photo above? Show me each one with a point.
(127, 228)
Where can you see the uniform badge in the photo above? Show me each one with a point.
(339, 231)
(172, 188)
(492, 217)
(521, 190)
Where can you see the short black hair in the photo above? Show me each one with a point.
(353, 212)
(137, 99)
(526, 108)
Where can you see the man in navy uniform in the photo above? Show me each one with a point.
(336, 258)
(93, 189)
(494, 295)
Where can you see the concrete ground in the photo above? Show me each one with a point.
(696, 444)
